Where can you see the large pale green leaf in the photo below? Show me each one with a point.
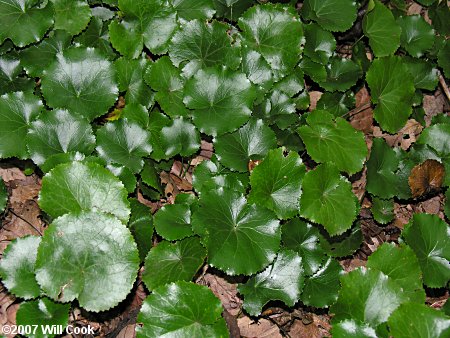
(24, 21)
(90, 256)
(283, 280)
(201, 44)
(171, 262)
(250, 142)
(149, 23)
(325, 191)
(124, 142)
(173, 221)
(221, 100)
(17, 267)
(71, 15)
(194, 9)
(82, 81)
(334, 141)
(401, 265)
(320, 44)
(367, 295)
(141, 227)
(418, 320)
(17, 111)
(41, 312)
(3, 196)
(276, 183)
(241, 238)
(276, 33)
(392, 89)
(429, 237)
(180, 138)
(57, 132)
(75, 187)
(181, 309)
(383, 32)
(437, 137)
(417, 35)
(332, 15)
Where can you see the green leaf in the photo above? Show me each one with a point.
(343, 245)
(170, 262)
(56, 132)
(381, 168)
(382, 210)
(241, 238)
(336, 103)
(417, 35)
(41, 312)
(321, 289)
(334, 141)
(320, 44)
(149, 23)
(250, 142)
(194, 9)
(401, 265)
(418, 320)
(324, 192)
(221, 100)
(173, 221)
(180, 138)
(276, 183)
(157, 121)
(332, 15)
(367, 295)
(17, 111)
(392, 89)
(437, 137)
(232, 9)
(71, 15)
(425, 75)
(446, 206)
(125, 175)
(130, 78)
(70, 83)
(351, 328)
(83, 187)
(200, 45)
(166, 79)
(17, 267)
(3, 196)
(443, 57)
(124, 142)
(90, 256)
(283, 280)
(24, 21)
(429, 237)
(276, 33)
(257, 68)
(181, 309)
(12, 78)
(440, 15)
(383, 32)
(141, 227)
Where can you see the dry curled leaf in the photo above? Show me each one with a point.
(426, 177)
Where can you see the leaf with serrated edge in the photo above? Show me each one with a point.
(75, 187)
(90, 256)
(382, 210)
(332, 15)
(417, 35)
(170, 262)
(241, 238)
(320, 44)
(194, 9)
(181, 137)
(17, 267)
(283, 280)
(173, 221)
(71, 15)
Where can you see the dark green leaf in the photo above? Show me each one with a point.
(257, 68)
(343, 245)
(336, 103)
(320, 44)
(180, 138)
(3, 196)
(382, 210)
(194, 9)
(232, 9)
(425, 76)
(332, 15)
(351, 328)
(437, 137)
(173, 221)
(443, 59)
(440, 16)
(141, 227)
(417, 35)
(71, 15)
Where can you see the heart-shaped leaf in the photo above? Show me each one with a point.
(173, 221)
(83, 187)
(276, 183)
(89, 256)
(71, 15)
(332, 15)
(417, 35)
(180, 137)
(241, 238)
(283, 280)
(70, 83)
(171, 262)
(17, 267)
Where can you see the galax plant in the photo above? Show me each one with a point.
(231, 72)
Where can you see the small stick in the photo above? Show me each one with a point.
(357, 110)
(444, 85)
(23, 219)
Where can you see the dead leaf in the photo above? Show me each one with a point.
(414, 8)
(405, 136)
(433, 105)
(314, 96)
(262, 328)
(362, 120)
(426, 177)
(318, 328)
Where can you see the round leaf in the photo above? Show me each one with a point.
(332, 15)
(171, 262)
(83, 187)
(57, 132)
(17, 110)
(320, 44)
(71, 15)
(241, 238)
(276, 183)
(417, 35)
(182, 309)
(17, 267)
(325, 191)
(221, 100)
(194, 9)
(82, 81)
(382, 210)
(283, 280)
(181, 137)
(90, 256)
(173, 221)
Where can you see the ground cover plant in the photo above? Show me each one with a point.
(292, 157)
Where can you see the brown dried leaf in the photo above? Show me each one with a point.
(405, 136)
(433, 105)
(314, 96)
(262, 328)
(318, 328)
(362, 120)
(426, 177)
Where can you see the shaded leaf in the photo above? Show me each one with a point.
(194, 9)
(173, 221)
(141, 227)
(424, 73)
(3, 196)
(343, 245)
(332, 15)
(417, 35)
(320, 44)
(180, 137)
(232, 9)
(382, 210)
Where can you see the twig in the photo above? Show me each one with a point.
(23, 219)
(444, 85)
(357, 110)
